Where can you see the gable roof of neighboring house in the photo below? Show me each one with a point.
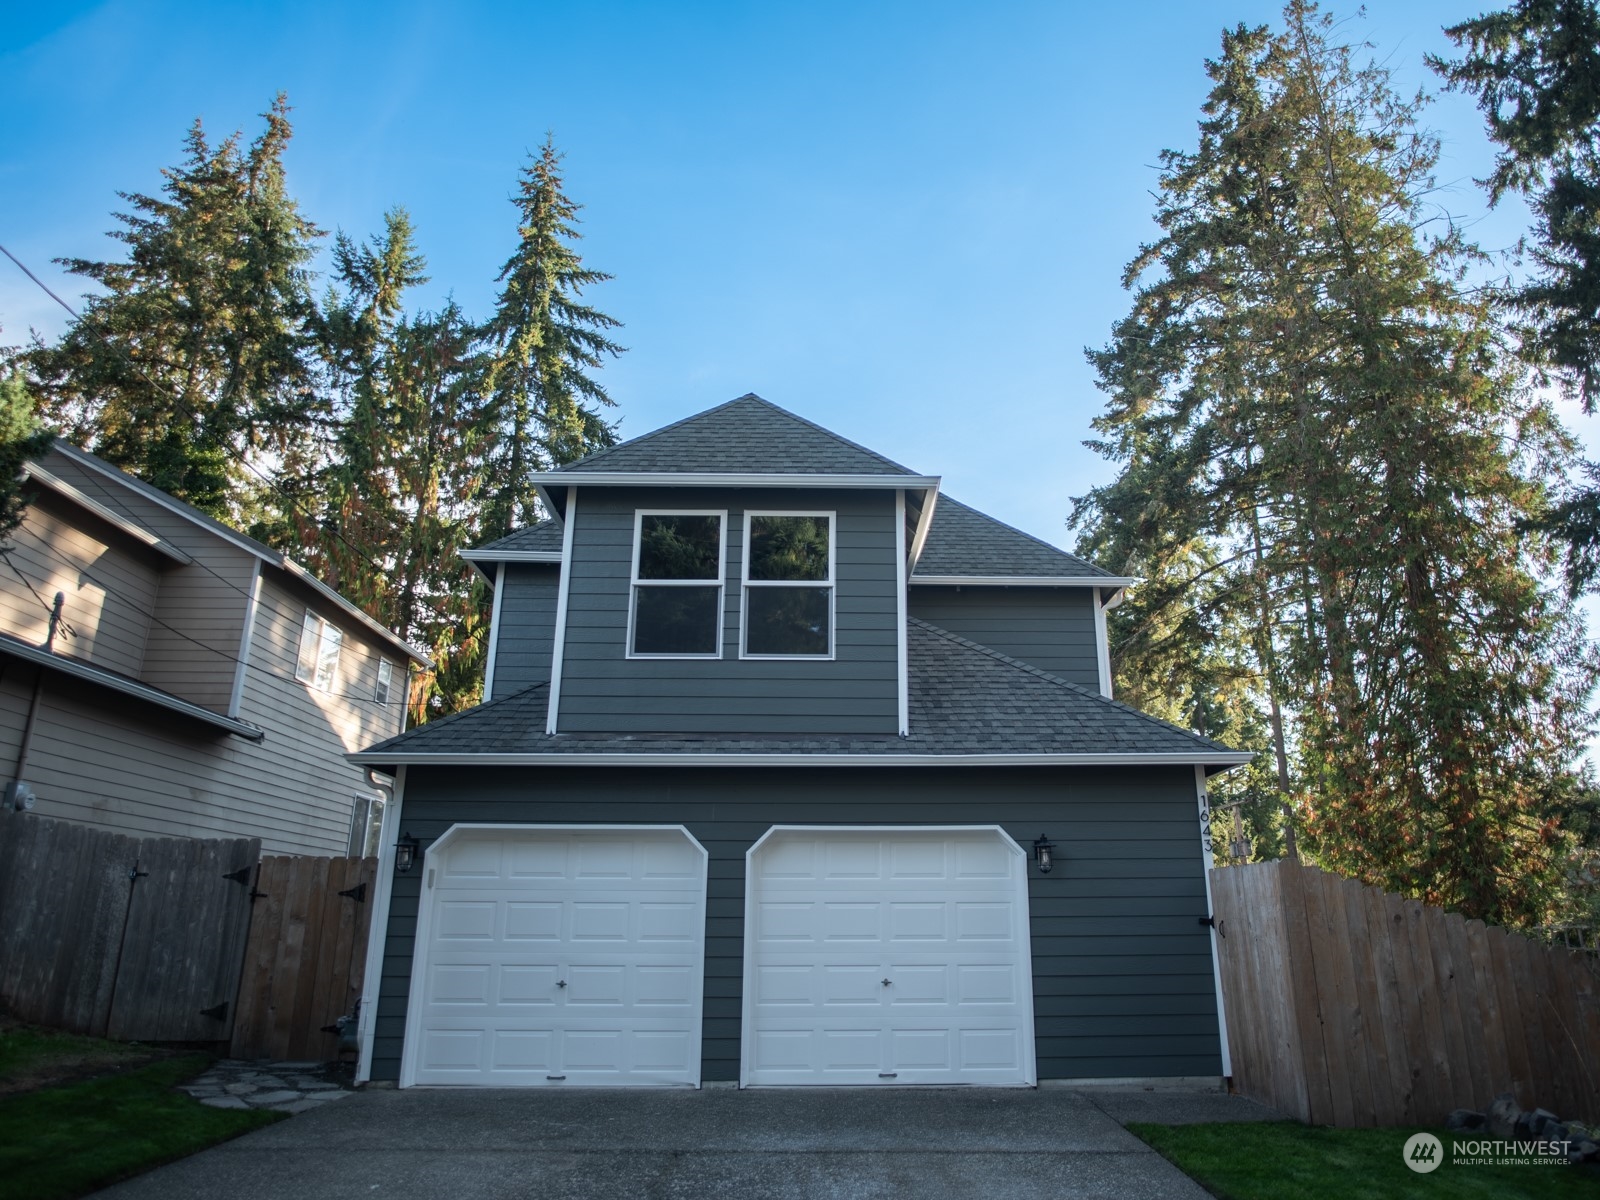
(747, 436)
(965, 543)
(227, 533)
(969, 704)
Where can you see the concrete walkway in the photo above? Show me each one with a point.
(798, 1144)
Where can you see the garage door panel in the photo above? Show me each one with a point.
(940, 914)
(561, 956)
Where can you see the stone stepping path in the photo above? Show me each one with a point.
(291, 1087)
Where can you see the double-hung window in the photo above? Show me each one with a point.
(318, 661)
(676, 609)
(788, 585)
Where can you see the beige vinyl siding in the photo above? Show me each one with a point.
(108, 582)
(123, 765)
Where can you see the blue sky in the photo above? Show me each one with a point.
(902, 220)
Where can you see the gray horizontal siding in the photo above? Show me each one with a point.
(1051, 628)
(602, 690)
(527, 627)
(1122, 968)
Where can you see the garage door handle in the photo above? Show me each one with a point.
(561, 983)
(888, 1074)
(885, 983)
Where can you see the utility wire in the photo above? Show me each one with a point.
(50, 609)
(189, 411)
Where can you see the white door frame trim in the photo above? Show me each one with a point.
(1030, 1055)
(408, 1053)
(1206, 863)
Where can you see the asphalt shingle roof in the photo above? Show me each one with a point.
(963, 541)
(965, 699)
(545, 536)
(744, 436)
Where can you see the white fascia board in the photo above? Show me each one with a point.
(1094, 581)
(729, 479)
(115, 519)
(510, 556)
(128, 687)
(393, 639)
(1201, 758)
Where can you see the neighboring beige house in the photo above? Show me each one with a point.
(195, 682)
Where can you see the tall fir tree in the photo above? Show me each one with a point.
(22, 440)
(1535, 70)
(1327, 461)
(196, 354)
(543, 405)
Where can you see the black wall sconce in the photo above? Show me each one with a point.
(1044, 853)
(405, 852)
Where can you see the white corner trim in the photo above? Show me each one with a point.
(1206, 863)
(919, 539)
(377, 932)
(1091, 581)
(251, 607)
(494, 632)
(563, 589)
(729, 479)
(1102, 643)
(902, 651)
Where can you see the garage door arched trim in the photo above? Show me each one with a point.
(428, 900)
(1014, 888)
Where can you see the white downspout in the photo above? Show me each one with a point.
(1206, 863)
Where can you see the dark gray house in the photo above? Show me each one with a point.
(790, 771)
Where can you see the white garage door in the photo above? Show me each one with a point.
(887, 956)
(558, 956)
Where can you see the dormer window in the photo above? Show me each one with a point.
(788, 585)
(677, 585)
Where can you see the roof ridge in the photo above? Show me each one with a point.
(587, 458)
(748, 396)
(946, 497)
(1030, 669)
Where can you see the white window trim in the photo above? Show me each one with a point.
(309, 678)
(720, 582)
(386, 684)
(832, 584)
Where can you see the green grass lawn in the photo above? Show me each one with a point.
(1283, 1160)
(60, 1142)
(31, 1058)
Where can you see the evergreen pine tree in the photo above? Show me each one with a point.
(1327, 465)
(542, 404)
(22, 440)
(198, 350)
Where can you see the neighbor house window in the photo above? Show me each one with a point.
(677, 585)
(788, 585)
(366, 825)
(318, 663)
(385, 676)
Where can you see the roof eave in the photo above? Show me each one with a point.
(129, 687)
(1204, 758)
(729, 479)
(1099, 581)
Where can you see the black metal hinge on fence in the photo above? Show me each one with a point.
(1213, 923)
(241, 876)
(357, 893)
(217, 1012)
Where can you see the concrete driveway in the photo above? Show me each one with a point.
(923, 1144)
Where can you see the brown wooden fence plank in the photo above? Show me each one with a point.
(1302, 980)
(1493, 1053)
(304, 1038)
(291, 950)
(1511, 1028)
(1472, 1077)
(1457, 1090)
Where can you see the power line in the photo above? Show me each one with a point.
(228, 447)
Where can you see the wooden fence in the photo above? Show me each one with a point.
(308, 950)
(179, 939)
(1347, 1006)
(138, 939)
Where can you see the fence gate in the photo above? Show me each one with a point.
(307, 952)
(138, 939)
